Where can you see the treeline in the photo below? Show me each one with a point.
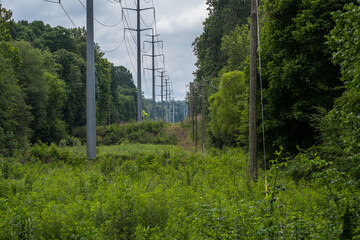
(310, 75)
(43, 84)
(179, 109)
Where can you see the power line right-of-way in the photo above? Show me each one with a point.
(131, 40)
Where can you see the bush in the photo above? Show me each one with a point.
(144, 132)
(43, 153)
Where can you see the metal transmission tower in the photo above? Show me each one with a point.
(138, 30)
(174, 110)
(153, 69)
(167, 99)
(166, 95)
(90, 83)
(162, 76)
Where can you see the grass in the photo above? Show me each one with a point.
(135, 191)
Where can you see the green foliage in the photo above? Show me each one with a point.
(103, 94)
(45, 94)
(73, 72)
(229, 109)
(46, 154)
(223, 17)
(43, 78)
(163, 192)
(236, 46)
(15, 117)
(144, 132)
(339, 128)
(298, 74)
(123, 92)
(343, 40)
(5, 17)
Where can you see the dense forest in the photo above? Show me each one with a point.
(43, 77)
(309, 72)
(43, 81)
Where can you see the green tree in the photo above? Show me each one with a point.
(123, 92)
(5, 22)
(73, 72)
(14, 113)
(298, 73)
(55, 128)
(31, 80)
(340, 128)
(103, 94)
(228, 110)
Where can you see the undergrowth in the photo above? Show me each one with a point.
(163, 192)
(146, 132)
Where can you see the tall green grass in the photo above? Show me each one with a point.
(163, 192)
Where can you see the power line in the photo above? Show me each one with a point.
(261, 91)
(113, 1)
(128, 23)
(127, 50)
(147, 25)
(59, 2)
(110, 51)
(67, 14)
(103, 24)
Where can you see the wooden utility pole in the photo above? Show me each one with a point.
(90, 83)
(252, 93)
(196, 118)
(192, 109)
(203, 115)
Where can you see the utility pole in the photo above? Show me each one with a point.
(174, 110)
(184, 110)
(192, 109)
(138, 31)
(203, 115)
(162, 96)
(90, 83)
(252, 93)
(196, 117)
(153, 70)
(166, 99)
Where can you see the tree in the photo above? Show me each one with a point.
(73, 73)
(103, 94)
(340, 127)
(123, 92)
(5, 22)
(229, 110)
(55, 128)
(14, 113)
(31, 80)
(298, 74)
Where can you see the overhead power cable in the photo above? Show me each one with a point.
(113, 1)
(127, 50)
(105, 25)
(59, 2)
(110, 51)
(128, 23)
(261, 88)
(67, 14)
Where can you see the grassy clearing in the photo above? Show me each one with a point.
(161, 192)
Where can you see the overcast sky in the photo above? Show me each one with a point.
(178, 23)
